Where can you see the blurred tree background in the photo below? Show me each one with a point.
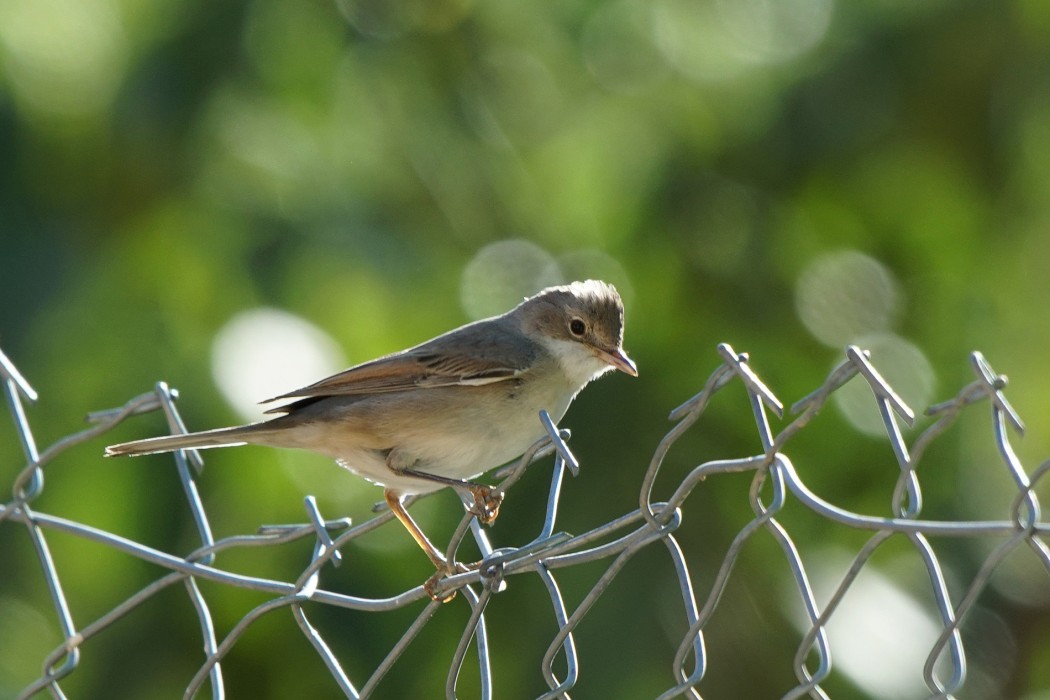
(238, 197)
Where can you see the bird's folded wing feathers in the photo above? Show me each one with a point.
(421, 367)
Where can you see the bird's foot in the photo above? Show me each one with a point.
(431, 584)
(487, 501)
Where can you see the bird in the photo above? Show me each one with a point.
(443, 412)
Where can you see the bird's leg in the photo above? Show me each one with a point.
(395, 500)
(487, 500)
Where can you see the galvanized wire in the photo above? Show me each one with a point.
(774, 483)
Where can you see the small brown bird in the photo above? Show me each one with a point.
(448, 410)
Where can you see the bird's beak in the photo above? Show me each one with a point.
(618, 359)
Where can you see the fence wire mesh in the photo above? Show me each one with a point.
(774, 484)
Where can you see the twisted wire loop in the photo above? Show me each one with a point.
(774, 483)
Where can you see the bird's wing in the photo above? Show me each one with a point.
(444, 361)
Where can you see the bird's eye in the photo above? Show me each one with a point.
(577, 326)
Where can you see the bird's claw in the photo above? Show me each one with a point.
(431, 584)
(487, 501)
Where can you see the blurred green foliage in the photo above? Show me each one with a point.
(164, 166)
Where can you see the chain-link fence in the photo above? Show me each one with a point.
(774, 484)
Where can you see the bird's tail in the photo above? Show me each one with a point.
(221, 437)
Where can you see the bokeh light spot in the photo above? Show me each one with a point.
(844, 295)
(879, 633)
(263, 156)
(501, 274)
(264, 352)
(521, 93)
(717, 40)
(771, 31)
(25, 634)
(618, 49)
(389, 19)
(903, 366)
(65, 58)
